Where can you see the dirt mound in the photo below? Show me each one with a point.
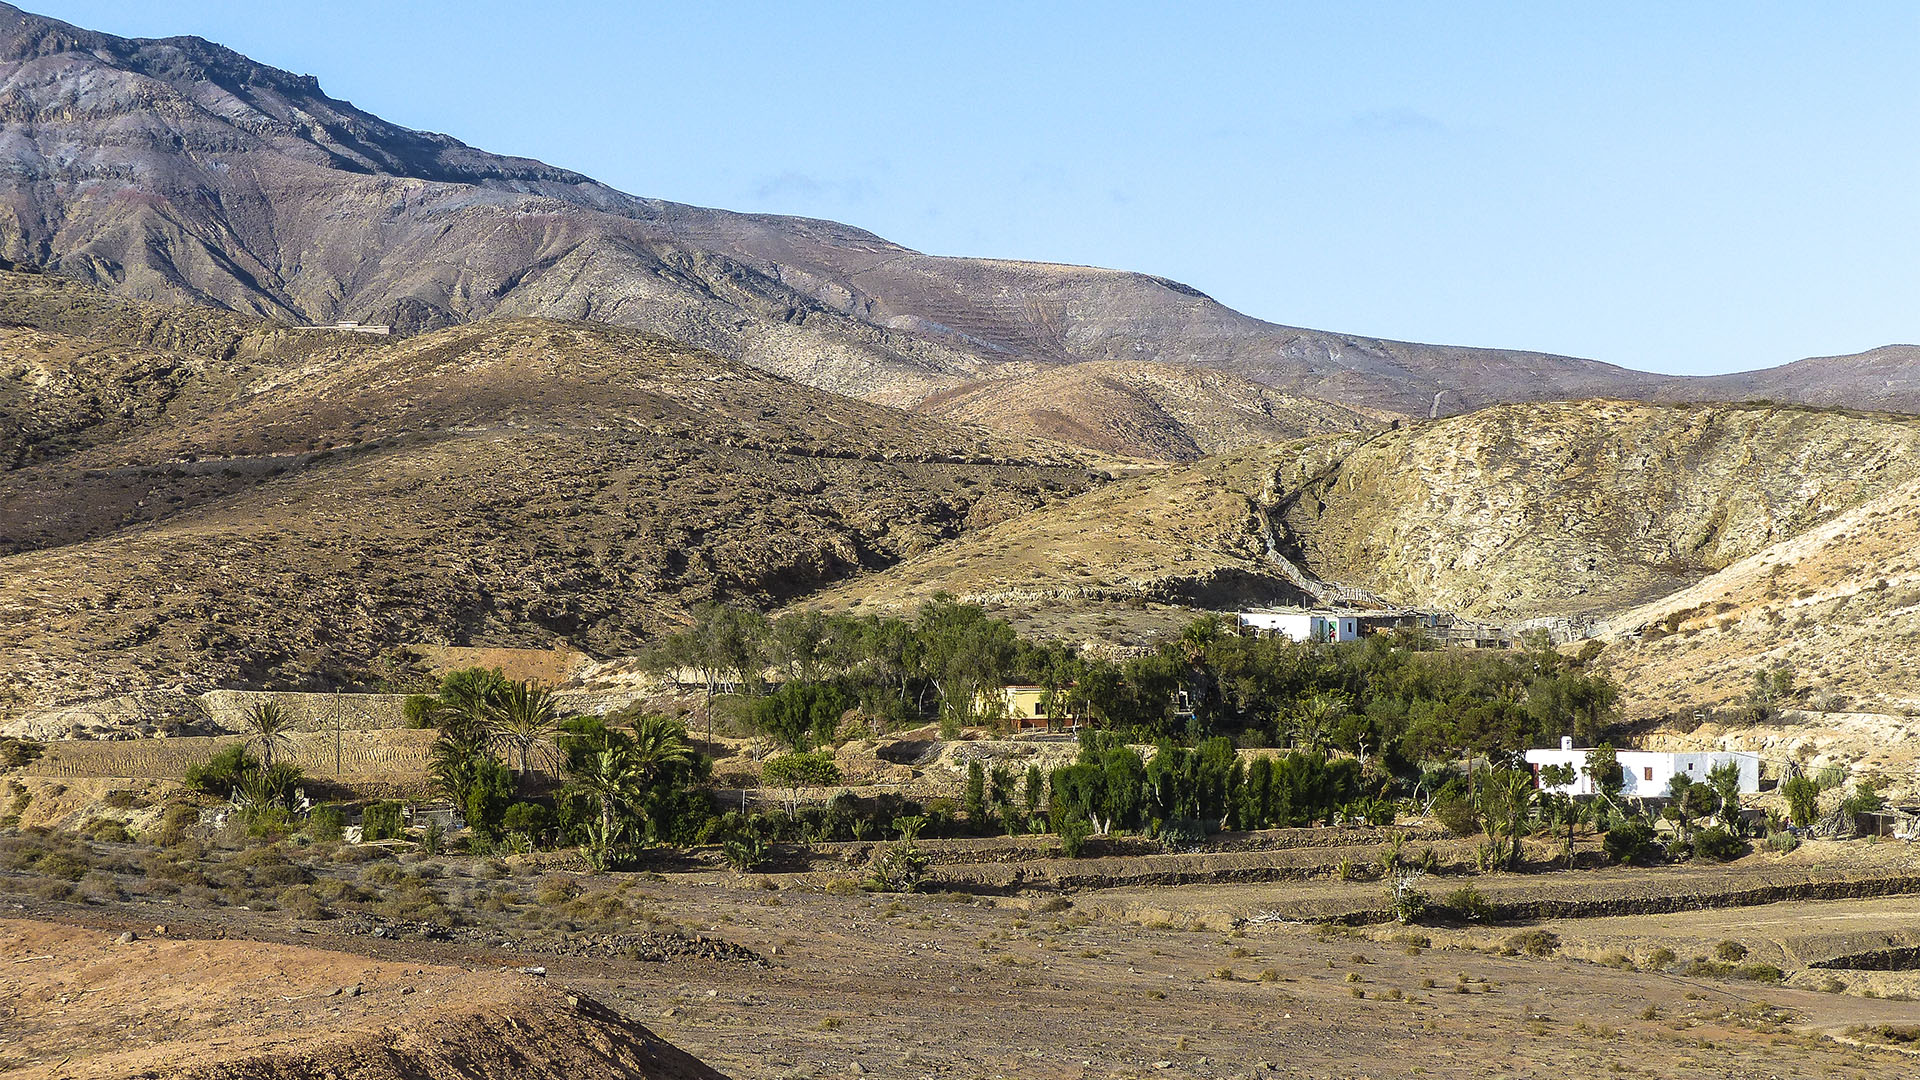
(85, 1002)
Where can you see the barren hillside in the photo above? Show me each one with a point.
(1159, 411)
(1839, 603)
(1515, 511)
(82, 1003)
(276, 516)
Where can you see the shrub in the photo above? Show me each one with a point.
(17, 752)
(1534, 942)
(1457, 815)
(223, 773)
(1719, 845)
(801, 770)
(1073, 836)
(327, 824)
(897, 868)
(745, 847)
(1730, 950)
(418, 710)
(1629, 841)
(175, 821)
(381, 821)
(302, 902)
(1182, 834)
(1405, 901)
(1783, 842)
(1765, 973)
(106, 830)
(1660, 958)
(1468, 904)
(530, 820)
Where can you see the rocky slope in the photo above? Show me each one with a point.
(1161, 411)
(1839, 604)
(1565, 509)
(179, 170)
(272, 508)
(1530, 510)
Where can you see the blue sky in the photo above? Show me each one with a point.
(1686, 188)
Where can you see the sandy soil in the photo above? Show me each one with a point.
(82, 1002)
(964, 987)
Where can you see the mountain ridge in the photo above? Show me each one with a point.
(178, 170)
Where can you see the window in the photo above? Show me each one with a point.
(1647, 772)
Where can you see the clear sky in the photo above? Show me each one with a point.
(1685, 188)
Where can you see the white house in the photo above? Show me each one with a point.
(1645, 773)
(1303, 625)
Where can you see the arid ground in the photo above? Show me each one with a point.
(802, 975)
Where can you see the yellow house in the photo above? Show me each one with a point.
(1025, 707)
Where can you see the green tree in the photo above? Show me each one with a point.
(268, 726)
(522, 717)
(1035, 793)
(1803, 799)
(1724, 779)
(1507, 799)
(975, 801)
(1603, 769)
(802, 715)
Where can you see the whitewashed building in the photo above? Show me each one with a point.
(1303, 625)
(1645, 773)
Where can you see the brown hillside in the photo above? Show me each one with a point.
(1517, 511)
(280, 517)
(1157, 411)
(1839, 603)
(82, 1004)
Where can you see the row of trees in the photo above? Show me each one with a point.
(1389, 696)
(1209, 787)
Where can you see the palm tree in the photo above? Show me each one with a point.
(466, 698)
(658, 743)
(609, 775)
(269, 726)
(617, 773)
(453, 759)
(521, 717)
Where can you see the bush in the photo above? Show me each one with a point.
(175, 822)
(801, 770)
(380, 821)
(1183, 834)
(530, 820)
(223, 773)
(1660, 958)
(1783, 842)
(327, 824)
(1468, 904)
(1534, 942)
(897, 868)
(17, 752)
(1730, 951)
(745, 847)
(1457, 815)
(418, 710)
(1719, 845)
(1073, 836)
(1629, 841)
